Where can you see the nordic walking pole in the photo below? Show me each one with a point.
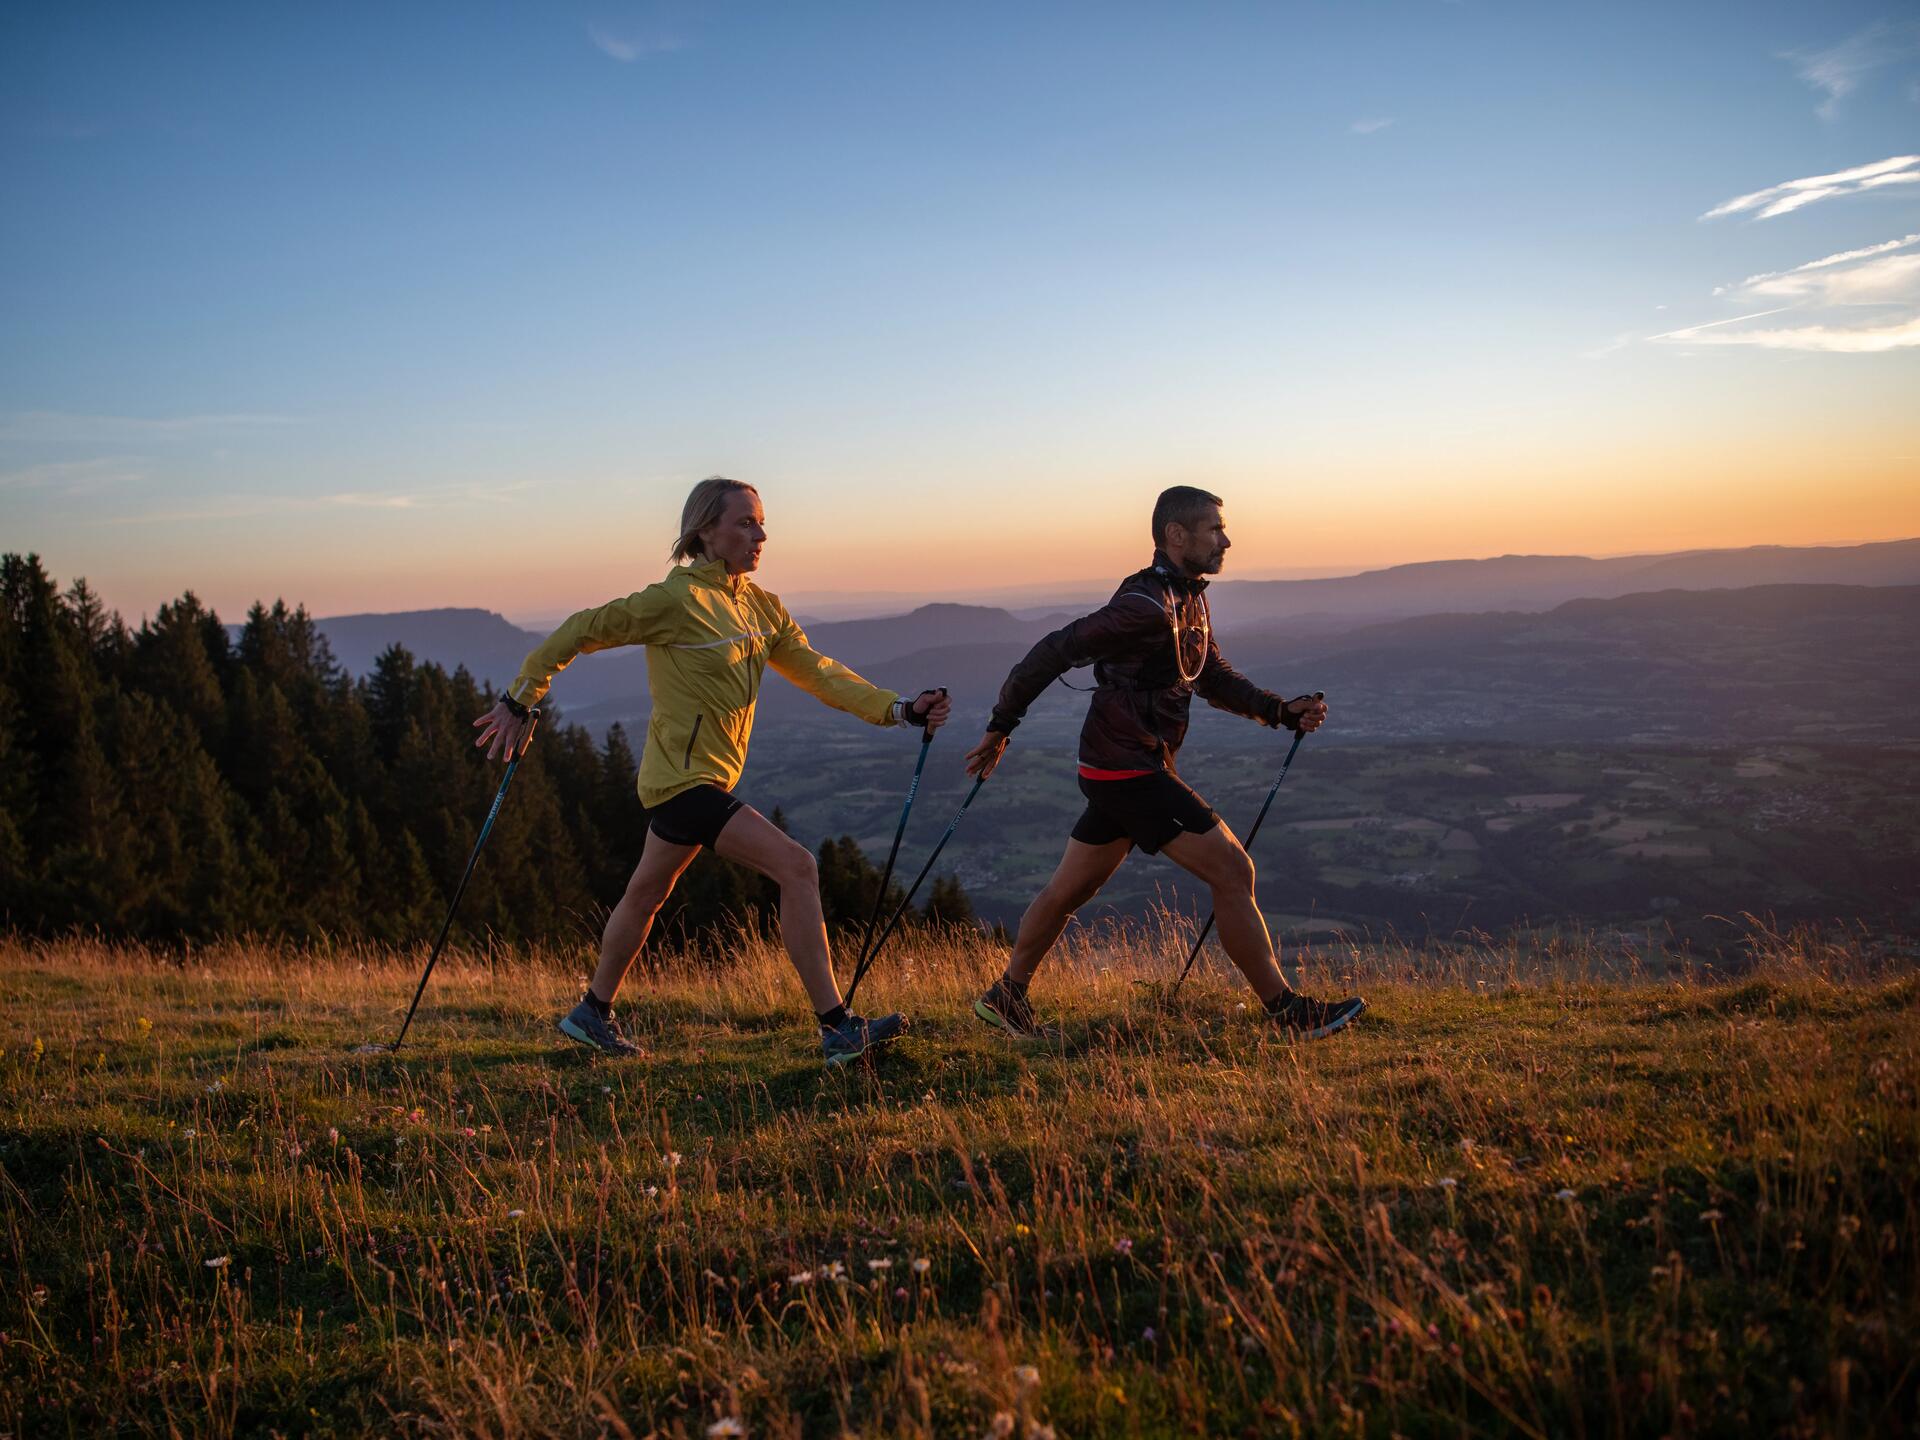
(880, 896)
(1272, 790)
(894, 920)
(499, 798)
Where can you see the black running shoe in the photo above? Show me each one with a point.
(856, 1035)
(1007, 1008)
(1315, 1019)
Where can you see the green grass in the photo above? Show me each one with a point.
(1514, 1200)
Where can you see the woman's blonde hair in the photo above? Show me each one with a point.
(704, 507)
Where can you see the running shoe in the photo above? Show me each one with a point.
(856, 1035)
(1008, 1009)
(1315, 1019)
(602, 1032)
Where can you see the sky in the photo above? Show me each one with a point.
(381, 307)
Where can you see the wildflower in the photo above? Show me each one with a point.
(145, 1025)
(922, 1265)
(1026, 1375)
(728, 1426)
(1563, 1194)
(1021, 1229)
(468, 1131)
(516, 1214)
(652, 1190)
(219, 1262)
(1123, 1246)
(899, 1292)
(800, 1277)
(1447, 1182)
(39, 1047)
(189, 1134)
(216, 1087)
(333, 1135)
(834, 1270)
(1001, 1426)
(1711, 1216)
(879, 1264)
(606, 1089)
(673, 1159)
(1149, 1335)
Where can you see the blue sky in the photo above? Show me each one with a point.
(378, 306)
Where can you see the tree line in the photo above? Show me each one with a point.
(178, 783)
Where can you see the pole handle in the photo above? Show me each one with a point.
(926, 735)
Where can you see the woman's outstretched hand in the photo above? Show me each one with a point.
(931, 709)
(505, 735)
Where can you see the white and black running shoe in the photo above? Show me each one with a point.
(1315, 1019)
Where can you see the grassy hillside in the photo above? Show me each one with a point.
(1516, 1200)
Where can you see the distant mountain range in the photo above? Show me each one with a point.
(963, 644)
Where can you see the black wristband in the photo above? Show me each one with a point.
(1285, 719)
(514, 707)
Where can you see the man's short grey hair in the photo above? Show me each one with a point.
(1182, 505)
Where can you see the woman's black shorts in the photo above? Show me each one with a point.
(693, 817)
(1149, 810)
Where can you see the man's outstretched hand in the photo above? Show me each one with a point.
(505, 735)
(1309, 712)
(984, 756)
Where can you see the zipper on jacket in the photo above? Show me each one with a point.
(687, 763)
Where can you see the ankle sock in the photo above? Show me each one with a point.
(1018, 987)
(833, 1019)
(1281, 1003)
(602, 1008)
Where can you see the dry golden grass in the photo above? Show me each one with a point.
(1534, 1192)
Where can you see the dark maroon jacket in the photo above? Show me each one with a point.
(1152, 648)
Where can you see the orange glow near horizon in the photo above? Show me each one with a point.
(1358, 518)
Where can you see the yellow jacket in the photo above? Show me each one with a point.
(710, 637)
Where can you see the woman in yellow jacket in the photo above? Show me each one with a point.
(710, 634)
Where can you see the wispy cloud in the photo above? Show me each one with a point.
(1830, 339)
(1757, 284)
(629, 37)
(1862, 301)
(1791, 195)
(255, 506)
(1371, 127)
(75, 477)
(1838, 70)
(67, 426)
(1611, 347)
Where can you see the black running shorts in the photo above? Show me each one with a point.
(693, 817)
(1149, 810)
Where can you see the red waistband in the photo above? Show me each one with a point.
(1087, 772)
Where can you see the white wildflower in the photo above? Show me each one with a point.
(219, 1262)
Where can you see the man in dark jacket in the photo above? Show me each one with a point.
(1152, 649)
